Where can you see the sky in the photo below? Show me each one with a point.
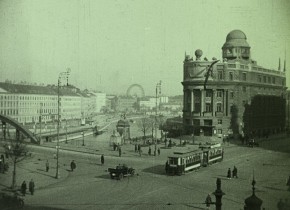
(112, 44)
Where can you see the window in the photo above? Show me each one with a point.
(273, 80)
(208, 107)
(219, 107)
(244, 89)
(196, 122)
(269, 79)
(219, 93)
(220, 74)
(232, 95)
(259, 78)
(220, 121)
(264, 79)
(231, 76)
(208, 93)
(244, 77)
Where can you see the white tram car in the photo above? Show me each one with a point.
(181, 162)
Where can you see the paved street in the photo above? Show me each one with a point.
(90, 186)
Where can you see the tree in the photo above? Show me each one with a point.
(17, 151)
(144, 124)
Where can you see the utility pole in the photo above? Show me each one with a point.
(158, 90)
(83, 133)
(62, 75)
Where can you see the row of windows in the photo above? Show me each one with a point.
(208, 107)
(260, 78)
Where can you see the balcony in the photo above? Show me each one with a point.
(219, 114)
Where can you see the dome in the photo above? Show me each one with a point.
(236, 34)
(236, 38)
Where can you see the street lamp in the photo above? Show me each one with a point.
(61, 76)
(158, 91)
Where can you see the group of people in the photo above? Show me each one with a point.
(233, 173)
(149, 151)
(138, 149)
(31, 186)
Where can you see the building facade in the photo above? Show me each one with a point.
(32, 103)
(233, 96)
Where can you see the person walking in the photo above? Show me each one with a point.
(208, 201)
(235, 172)
(102, 159)
(158, 150)
(31, 186)
(23, 188)
(139, 147)
(135, 147)
(149, 151)
(120, 151)
(229, 175)
(47, 166)
(72, 165)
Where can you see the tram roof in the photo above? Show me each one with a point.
(184, 154)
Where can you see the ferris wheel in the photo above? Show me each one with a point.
(135, 90)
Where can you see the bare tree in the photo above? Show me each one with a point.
(144, 126)
(17, 151)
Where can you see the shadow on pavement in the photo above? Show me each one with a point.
(159, 169)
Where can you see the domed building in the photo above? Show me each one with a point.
(235, 96)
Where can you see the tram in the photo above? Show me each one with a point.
(182, 162)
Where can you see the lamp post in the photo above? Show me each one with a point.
(158, 90)
(61, 76)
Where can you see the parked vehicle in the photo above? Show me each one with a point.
(121, 171)
(11, 201)
(181, 162)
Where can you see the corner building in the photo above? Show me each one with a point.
(240, 97)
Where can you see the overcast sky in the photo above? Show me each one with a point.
(111, 44)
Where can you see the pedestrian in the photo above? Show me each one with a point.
(235, 172)
(23, 188)
(102, 159)
(47, 165)
(170, 143)
(120, 151)
(139, 147)
(158, 150)
(149, 151)
(208, 201)
(166, 167)
(72, 165)
(229, 175)
(31, 186)
(114, 146)
(135, 147)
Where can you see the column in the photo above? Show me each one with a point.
(201, 101)
(224, 102)
(192, 101)
(213, 101)
(227, 103)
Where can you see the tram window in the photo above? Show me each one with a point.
(173, 161)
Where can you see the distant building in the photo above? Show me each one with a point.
(126, 104)
(100, 101)
(239, 97)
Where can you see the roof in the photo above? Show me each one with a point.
(27, 89)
